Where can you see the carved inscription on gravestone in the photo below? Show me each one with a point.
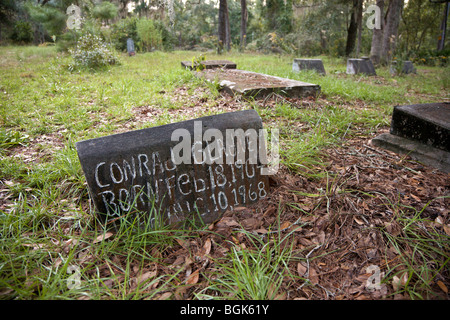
(151, 171)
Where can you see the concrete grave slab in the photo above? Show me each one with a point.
(211, 64)
(308, 64)
(360, 66)
(136, 173)
(422, 131)
(259, 85)
(427, 123)
(418, 151)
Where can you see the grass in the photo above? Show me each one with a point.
(252, 275)
(51, 247)
(422, 253)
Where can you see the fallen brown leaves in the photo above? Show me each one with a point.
(336, 235)
(193, 102)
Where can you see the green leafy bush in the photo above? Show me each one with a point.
(66, 41)
(337, 48)
(22, 32)
(149, 36)
(168, 39)
(92, 52)
(105, 11)
(52, 19)
(432, 58)
(155, 35)
(121, 31)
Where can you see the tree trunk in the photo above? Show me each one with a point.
(224, 27)
(441, 40)
(228, 30)
(352, 31)
(377, 37)
(323, 40)
(359, 24)
(390, 33)
(244, 16)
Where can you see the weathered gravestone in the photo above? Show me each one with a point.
(358, 66)
(258, 85)
(130, 47)
(406, 67)
(308, 64)
(195, 169)
(210, 64)
(422, 131)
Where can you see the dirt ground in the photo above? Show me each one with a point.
(340, 225)
(341, 239)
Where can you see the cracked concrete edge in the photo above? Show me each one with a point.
(418, 151)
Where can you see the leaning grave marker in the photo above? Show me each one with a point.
(140, 170)
(407, 67)
(358, 66)
(308, 64)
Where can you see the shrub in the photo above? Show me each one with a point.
(432, 58)
(105, 11)
(149, 36)
(66, 41)
(337, 48)
(127, 28)
(209, 42)
(303, 44)
(22, 32)
(92, 52)
(52, 19)
(168, 38)
(121, 31)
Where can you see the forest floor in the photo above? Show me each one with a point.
(343, 220)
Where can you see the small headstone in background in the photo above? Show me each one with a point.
(130, 47)
(361, 66)
(406, 68)
(308, 64)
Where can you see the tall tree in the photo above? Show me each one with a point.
(7, 11)
(443, 30)
(384, 39)
(420, 20)
(278, 15)
(377, 36)
(224, 27)
(354, 26)
(105, 11)
(123, 8)
(244, 17)
(359, 24)
(392, 22)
